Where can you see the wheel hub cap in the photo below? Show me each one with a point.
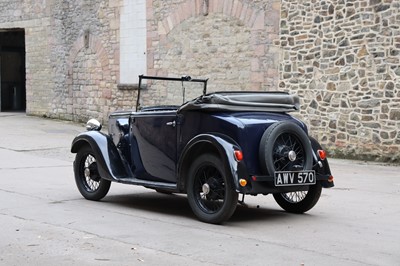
(292, 156)
(87, 172)
(206, 188)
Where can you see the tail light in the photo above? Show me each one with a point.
(238, 155)
(322, 154)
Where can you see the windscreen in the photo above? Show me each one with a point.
(168, 92)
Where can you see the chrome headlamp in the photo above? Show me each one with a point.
(93, 124)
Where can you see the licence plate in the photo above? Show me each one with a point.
(294, 178)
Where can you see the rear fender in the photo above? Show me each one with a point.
(321, 167)
(111, 164)
(222, 146)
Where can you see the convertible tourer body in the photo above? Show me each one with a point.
(212, 148)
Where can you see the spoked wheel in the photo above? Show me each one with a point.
(299, 201)
(294, 197)
(286, 147)
(210, 191)
(87, 177)
(288, 153)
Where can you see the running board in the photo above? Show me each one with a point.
(150, 184)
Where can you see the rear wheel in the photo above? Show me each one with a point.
(299, 201)
(210, 190)
(87, 177)
(286, 147)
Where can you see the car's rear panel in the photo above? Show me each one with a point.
(244, 128)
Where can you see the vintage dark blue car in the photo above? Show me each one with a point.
(212, 148)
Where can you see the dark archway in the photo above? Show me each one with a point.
(12, 70)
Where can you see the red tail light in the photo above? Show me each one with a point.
(322, 154)
(238, 155)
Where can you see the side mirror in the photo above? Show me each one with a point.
(93, 124)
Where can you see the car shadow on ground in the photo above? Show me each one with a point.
(246, 213)
(152, 201)
(177, 205)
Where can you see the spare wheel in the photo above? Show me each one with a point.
(285, 146)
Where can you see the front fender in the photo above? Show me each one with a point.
(110, 163)
(223, 146)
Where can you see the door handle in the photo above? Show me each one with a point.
(172, 123)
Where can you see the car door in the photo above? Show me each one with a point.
(155, 136)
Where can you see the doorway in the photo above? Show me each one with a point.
(12, 70)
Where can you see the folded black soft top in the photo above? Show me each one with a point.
(244, 101)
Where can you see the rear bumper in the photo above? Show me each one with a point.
(265, 185)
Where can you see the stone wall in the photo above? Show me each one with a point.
(229, 42)
(86, 52)
(86, 59)
(35, 18)
(343, 59)
(72, 57)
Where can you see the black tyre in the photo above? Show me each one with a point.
(299, 201)
(210, 190)
(87, 177)
(286, 147)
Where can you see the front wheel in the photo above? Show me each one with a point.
(87, 177)
(210, 190)
(299, 201)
